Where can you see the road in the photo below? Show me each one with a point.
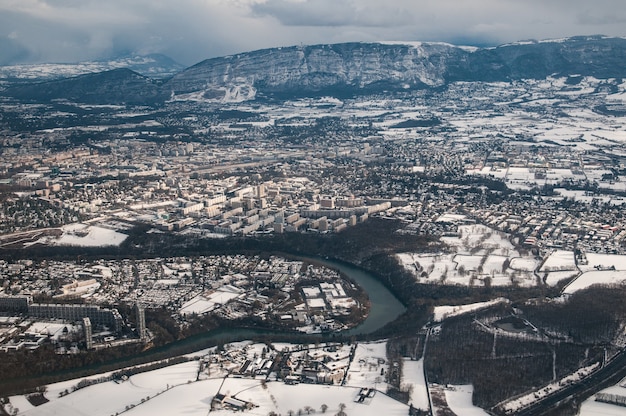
(610, 374)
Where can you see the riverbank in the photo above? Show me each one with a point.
(384, 308)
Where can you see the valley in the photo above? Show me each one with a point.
(487, 200)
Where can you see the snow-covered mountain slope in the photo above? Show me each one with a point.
(315, 69)
(154, 66)
(349, 69)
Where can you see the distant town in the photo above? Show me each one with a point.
(263, 169)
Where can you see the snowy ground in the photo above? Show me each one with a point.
(442, 312)
(282, 398)
(481, 256)
(413, 375)
(53, 329)
(182, 389)
(559, 265)
(607, 269)
(585, 280)
(553, 278)
(203, 304)
(459, 400)
(110, 397)
(527, 178)
(84, 235)
(604, 261)
(591, 407)
(195, 398)
(484, 256)
(559, 260)
(527, 264)
(368, 360)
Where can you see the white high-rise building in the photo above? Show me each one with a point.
(141, 322)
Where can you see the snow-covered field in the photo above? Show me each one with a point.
(459, 399)
(591, 407)
(413, 375)
(189, 389)
(526, 178)
(195, 398)
(527, 264)
(553, 278)
(605, 269)
(442, 312)
(587, 279)
(110, 397)
(603, 261)
(482, 256)
(281, 398)
(559, 260)
(559, 265)
(203, 304)
(53, 329)
(84, 235)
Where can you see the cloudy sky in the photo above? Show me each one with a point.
(192, 30)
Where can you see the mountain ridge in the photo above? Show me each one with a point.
(357, 68)
(116, 86)
(153, 65)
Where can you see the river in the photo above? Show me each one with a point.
(384, 308)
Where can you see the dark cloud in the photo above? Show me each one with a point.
(333, 13)
(192, 30)
(12, 52)
(593, 18)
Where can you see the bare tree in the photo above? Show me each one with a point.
(505, 265)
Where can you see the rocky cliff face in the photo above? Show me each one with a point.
(596, 56)
(372, 67)
(347, 69)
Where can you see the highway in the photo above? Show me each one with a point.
(610, 374)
